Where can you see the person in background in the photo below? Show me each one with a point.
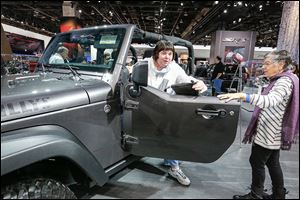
(274, 123)
(163, 72)
(107, 57)
(217, 75)
(184, 58)
(61, 56)
(184, 61)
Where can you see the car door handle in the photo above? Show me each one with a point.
(212, 113)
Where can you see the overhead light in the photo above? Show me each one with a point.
(80, 11)
(225, 11)
(181, 21)
(185, 14)
(239, 3)
(181, 3)
(216, 2)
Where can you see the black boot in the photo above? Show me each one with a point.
(277, 194)
(250, 195)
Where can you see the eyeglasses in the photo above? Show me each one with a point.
(268, 63)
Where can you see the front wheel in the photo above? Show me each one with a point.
(40, 188)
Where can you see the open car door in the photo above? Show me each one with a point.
(189, 128)
(198, 129)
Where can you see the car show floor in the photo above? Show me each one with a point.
(229, 175)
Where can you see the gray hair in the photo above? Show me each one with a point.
(280, 55)
(62, 49)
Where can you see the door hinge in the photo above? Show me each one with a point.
(129, 104)
(128, 139)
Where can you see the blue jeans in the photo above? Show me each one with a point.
(172, 163)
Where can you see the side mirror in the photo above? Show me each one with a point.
(139, 78)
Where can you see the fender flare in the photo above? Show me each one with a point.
(20, 148)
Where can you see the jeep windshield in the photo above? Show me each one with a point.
(93, 50)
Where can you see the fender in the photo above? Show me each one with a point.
(23, 147)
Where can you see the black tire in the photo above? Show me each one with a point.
(40, 188)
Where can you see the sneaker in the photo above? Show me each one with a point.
(180, 176)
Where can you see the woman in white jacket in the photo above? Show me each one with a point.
(163, 68)
(163, 72)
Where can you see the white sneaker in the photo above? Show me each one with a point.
(180, 176)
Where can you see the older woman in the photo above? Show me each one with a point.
(164, 72)
(274, 123)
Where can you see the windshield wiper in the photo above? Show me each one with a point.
(47, 69)
(73, 69)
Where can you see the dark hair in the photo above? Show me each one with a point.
(295, 68)
(162, 46)
(280, 55)
(219, 58)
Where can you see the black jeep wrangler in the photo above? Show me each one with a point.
(80, 119)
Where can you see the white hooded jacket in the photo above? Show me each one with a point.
(163, 79)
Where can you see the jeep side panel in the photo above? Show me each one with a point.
(30, 145)
(98, 131)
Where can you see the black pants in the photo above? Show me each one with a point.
(261, 157)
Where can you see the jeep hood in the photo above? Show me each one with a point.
(27, 95)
